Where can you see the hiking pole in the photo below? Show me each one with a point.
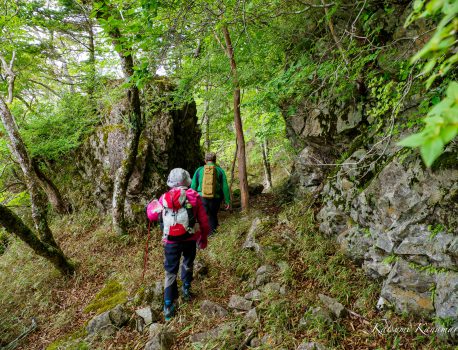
(145, 257)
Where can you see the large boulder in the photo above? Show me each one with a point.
(170, 139)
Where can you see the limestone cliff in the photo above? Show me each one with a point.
(395, 217)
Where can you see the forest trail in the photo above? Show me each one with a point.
(283, 270)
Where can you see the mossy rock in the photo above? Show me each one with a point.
(108, 297)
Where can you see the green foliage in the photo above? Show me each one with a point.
(55, 130)
(442, 121)
(441, 127)
(435, 230)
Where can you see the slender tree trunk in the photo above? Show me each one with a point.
(52, 192)
(13, 224)
(238, 123)
(37, 198)
(133, 135)
(266, 164)
(92, 71)
(206, 120)
(232, 172)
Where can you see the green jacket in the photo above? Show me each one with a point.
(222, 189)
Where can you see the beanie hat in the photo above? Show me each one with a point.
(179, 177)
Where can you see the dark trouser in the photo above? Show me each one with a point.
(212, 207)
(172, 253)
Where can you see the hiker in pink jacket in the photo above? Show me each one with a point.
(184, 224)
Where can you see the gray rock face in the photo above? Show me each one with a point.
(446, 301)
(380, 202)
(240, 303)
(336, 308)
(170, 139)
(212, 309)
(409, 289)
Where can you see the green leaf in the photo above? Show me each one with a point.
(448, 133)
(431, 149)
(414, 140)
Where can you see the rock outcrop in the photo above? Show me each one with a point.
(391, 214)
(170, 139)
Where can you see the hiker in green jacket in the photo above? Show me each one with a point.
(211, 183)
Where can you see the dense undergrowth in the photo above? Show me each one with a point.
(110, 269)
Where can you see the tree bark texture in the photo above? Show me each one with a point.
(52, 192)
(13, 224)
(37, 197)
(243, 181)
(266, 164)
(134, 129)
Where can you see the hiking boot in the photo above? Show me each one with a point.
(186, 289)
(169, 310)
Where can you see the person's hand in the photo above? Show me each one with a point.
(202, 244)
(227, 206)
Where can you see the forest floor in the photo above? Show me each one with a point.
(306, 262)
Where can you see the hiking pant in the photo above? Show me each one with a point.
(172, 257)
(211, 206)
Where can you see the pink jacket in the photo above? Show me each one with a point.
(199, 213)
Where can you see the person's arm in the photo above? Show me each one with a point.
(195, 180)
(227, 196)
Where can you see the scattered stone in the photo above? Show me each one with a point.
(200, 269)
(254, 295)
(264, 275)
(272, 287)
(212, 309)
(101, 325)
(107, 323)
(336, 308)
(268, 340)
(311, 346)
(252, 316)
(240, 303)
(250, 241)
(255, 342)
(264, 269)
(145, 316)
(160, 338)
(214, 333)
(315, 314)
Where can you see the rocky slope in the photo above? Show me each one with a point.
(392, 215)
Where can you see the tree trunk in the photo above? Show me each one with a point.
(232, 172)
(133, 135)
(266, 164)
(238, 123)
(37, 198)
(13, 224)
(52, 192)
(92, 71)
(206, 120)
